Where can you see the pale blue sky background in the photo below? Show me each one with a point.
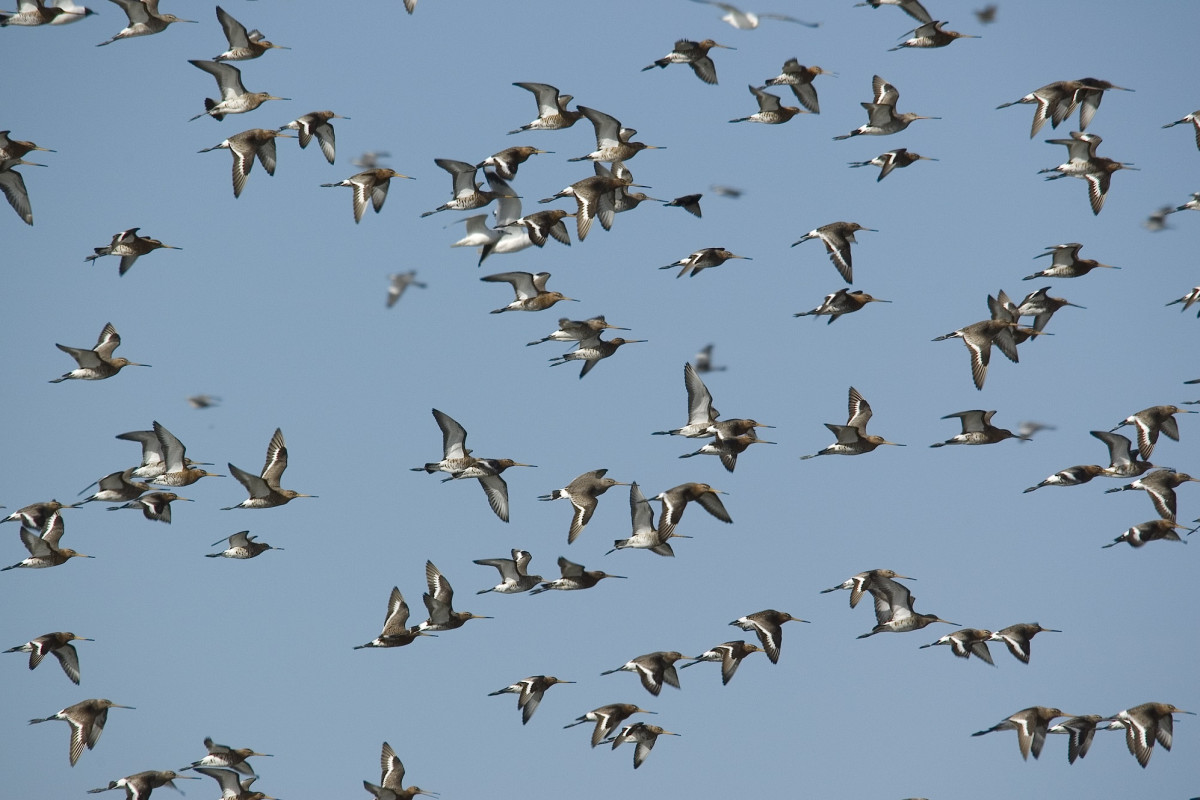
(276, 304)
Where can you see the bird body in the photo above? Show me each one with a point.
(574, 577)
(264, 489)
(129, 246)
(800, 78)
(243, 46)
(1031, 725)
(771, 111)
(695, 55)
(514, 575)
(768, 626)
(371, 184)
(87, 720)
(396, 632)
(582, 492)
(837, 238)
(57, 643)
(841, 302)
(234, 97)
(316, 123)
(241, 546)
(530, 691)
(439, 601)
(144, 19)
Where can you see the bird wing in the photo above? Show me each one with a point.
(277, 460)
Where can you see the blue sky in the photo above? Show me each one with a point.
(276, 305)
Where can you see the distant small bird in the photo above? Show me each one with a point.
(398, 282)
(243, 46)
(234, 97)
(144, 19)
(530, 690)
(987, 14)
(203, 401)
(1027, 429)
(245, 146)
(57, 644)
(87, 719)
(129, 246)
(703, 361)
(748, 20)
(31, 13)
(396, 632)
(644, 736)
(695, 55)
(771, 111)
(530, 289)
(891, 160)
(316, 123)
(837, 238)
(1031, 725)
(1157, 221)
(242, 546)
(98, 363)
(372, 184)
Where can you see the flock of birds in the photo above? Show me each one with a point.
(601, 196)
